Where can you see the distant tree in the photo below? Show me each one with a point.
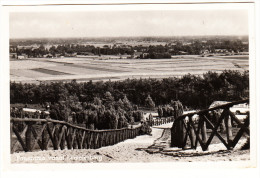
(112, 118)
(160, 111)
(119, 104)
(138, 116)
(60, 111)
(150, 117)
(149, 102)
(91, 119)
(127, 106)
(97, 101)
(108, 99)
(122, 121)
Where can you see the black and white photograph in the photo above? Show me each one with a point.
(143, 83)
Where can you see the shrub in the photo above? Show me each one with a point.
(145, 129)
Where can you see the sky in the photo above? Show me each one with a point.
(128, 23)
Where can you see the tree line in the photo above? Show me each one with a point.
(152, 51)
(114, 105)
(191, 90)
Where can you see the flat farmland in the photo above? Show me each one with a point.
(35, 70)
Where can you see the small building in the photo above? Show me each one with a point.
(221, 51)
(125, 56)
(183, 52)
(205, 51)
(30, 110)
(137, 54)
(144, 55)
(48, 56)
(71, 54)
(20, 57)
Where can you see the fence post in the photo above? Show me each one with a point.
(106, 139)
(76, 140)
(102, 141)
(28, 137)
(44, 138)
(228, 126)
(96, 140)
(182, 133)
(173, 136)
(123, 135)
(179, 129)
(90, 145)
(203, 130)
(117, 136)
(69, 137)
(177, 136)
(62, 142)
(192, 134)
(113, 137)
(110, 138)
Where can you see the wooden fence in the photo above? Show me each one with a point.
(187, 131)
(47, 134)
(160, 121)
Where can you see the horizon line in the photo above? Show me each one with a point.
(127, 36)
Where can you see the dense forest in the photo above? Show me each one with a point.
(111, 105)
(193, 91)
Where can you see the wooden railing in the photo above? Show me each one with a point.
(160, 121)
(44, 134)
(187, 131)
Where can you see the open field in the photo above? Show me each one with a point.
(85, 69)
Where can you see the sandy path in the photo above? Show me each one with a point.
(140, 149)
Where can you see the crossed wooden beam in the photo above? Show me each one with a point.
(183, 129)
(60, 135)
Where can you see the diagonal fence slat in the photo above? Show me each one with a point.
(240, 132)
(19, 137)
(198, 139)
(215, 129)
(199, 133)
(232, 115)
(60, 135)
(216, 133)
(37, 137)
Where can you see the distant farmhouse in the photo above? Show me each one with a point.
(22, 56)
